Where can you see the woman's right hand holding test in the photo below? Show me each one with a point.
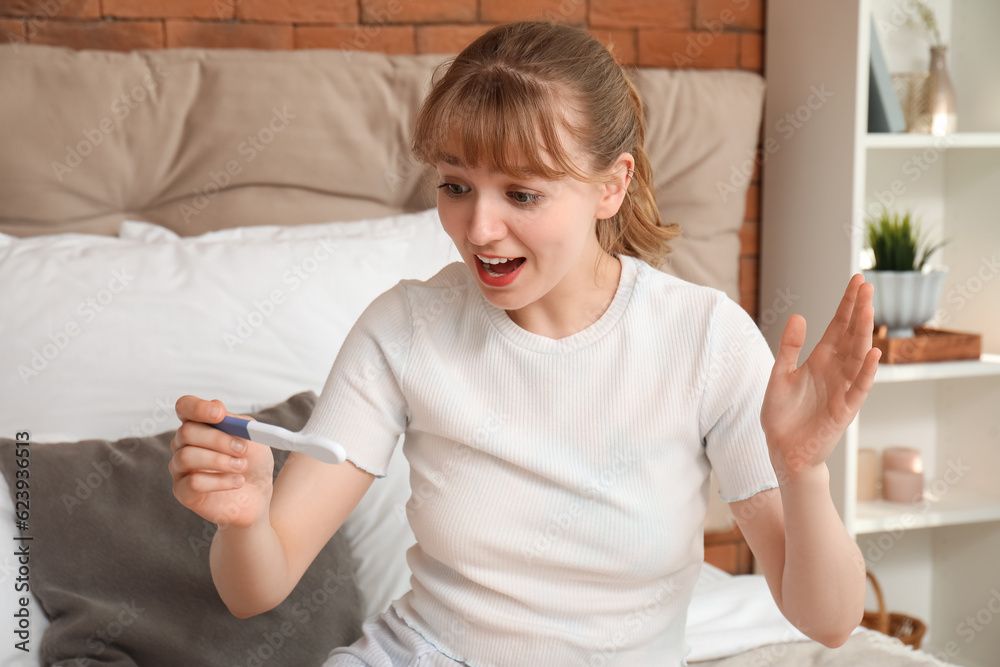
(269, 532)
(228, 481)
(222, 478)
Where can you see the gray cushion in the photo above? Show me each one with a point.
(121, 568)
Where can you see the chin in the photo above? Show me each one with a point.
(515, 296)
(504, 301)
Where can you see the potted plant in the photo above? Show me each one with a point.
(907, 293)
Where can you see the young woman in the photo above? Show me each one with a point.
(564, 400)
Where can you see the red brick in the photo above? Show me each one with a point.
(713, 14)
(447, 38)
(748, 299)
(418, 11)
(169, 9)
(12, 30)
(752, 52)
(676, 14)
(620, 42)
(683, 50)
(753, 203)
(105, 35)
(63, 9)
(379, 38)
(204, 34)
(748, 274)
(559, 11)
(749, 237)
(298, 11)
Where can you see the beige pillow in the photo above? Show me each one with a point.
(203, 139)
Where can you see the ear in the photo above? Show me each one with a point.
(612, 191)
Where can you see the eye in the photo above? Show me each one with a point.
(524, 198)
(453, 189)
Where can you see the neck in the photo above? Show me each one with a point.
(575, 303)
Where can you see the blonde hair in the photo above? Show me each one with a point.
(504, 98)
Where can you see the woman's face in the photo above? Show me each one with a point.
(524, 239)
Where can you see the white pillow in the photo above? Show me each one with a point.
(382, 228)
(101, 335)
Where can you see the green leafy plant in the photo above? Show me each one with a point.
(896, 243)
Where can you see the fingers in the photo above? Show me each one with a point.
(190, 459)
(205, 460)
(192, 488)
(792, 339)
(856, 341)
(192, 408)
(863, 383)
(862, 322)
(845, 312)
(205, 457)
(194, 411)
(202, 435)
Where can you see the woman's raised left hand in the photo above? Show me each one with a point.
(807, 408)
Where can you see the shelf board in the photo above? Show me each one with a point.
(958, 140)
(988, 364)
(953, 508)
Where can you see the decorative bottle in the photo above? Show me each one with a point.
(942, 94)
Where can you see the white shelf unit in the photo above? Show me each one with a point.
(911, 141)
(988, 365)
(823, 173)
(880, 516)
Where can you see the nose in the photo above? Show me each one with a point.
(486, 225)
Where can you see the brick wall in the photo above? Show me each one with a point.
(648, 33)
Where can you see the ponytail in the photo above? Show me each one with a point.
(636, 229)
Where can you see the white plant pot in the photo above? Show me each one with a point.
(905, 299)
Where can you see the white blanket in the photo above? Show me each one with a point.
(730, 615)
(865, 648)
(734, 622)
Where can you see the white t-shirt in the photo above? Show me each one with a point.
(559, 487)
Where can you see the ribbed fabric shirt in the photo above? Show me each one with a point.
(559, 486)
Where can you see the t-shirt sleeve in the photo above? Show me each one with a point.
(738, 368)
(362, 404)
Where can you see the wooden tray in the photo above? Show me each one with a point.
(927, 345)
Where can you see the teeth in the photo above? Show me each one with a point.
(493, 260)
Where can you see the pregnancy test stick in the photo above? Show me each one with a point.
(320, 449)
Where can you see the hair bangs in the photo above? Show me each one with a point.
(499, 120)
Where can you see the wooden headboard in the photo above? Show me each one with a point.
(729, 551)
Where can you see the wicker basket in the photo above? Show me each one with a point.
(913, 91)
(907, 629)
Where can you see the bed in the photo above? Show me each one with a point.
(212, 222)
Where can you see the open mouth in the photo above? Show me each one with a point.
(495, 267)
